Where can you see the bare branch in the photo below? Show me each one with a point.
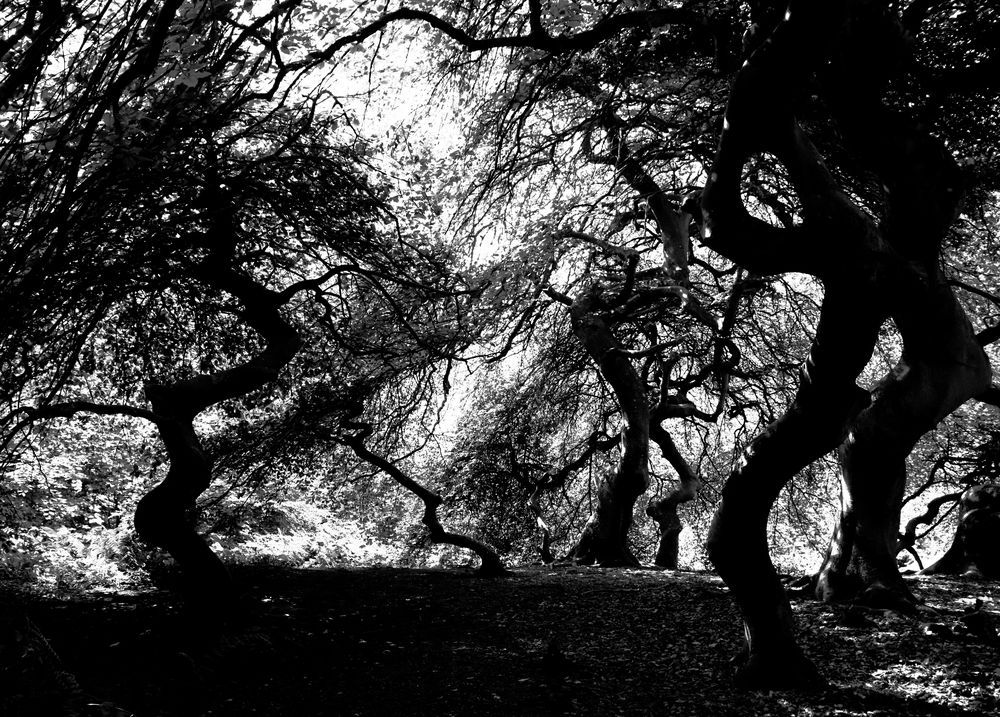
(975, 290)
(536, 38)
(557, 296)
(68, 409)
(654, 349)
(491, 562)
(909, 536)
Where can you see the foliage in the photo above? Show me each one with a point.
(441, 228)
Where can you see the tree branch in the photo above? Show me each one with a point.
(909, 536)
(491, 562)
(536, 38)
(557, 296)
(22, 70)
(650, 351)
(68, 409)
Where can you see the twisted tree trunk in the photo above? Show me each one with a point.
(535, 507)
(975, 550)
(491, 565)
(163, 516)
(942, 364)
(605, 536)
(664, 510)
(870, 273)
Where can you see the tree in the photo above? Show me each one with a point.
(974, 547)
(209, 262)
(644, 270)
(197, 216)
(590, 87)
(255, 275)
(870, 272)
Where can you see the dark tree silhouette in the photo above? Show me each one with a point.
(161, 517)
(871, 272)
(974, 547)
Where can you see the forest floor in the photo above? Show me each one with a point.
(546, 641)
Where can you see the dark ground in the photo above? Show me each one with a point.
(575, 641)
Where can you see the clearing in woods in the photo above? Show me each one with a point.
(545, 641)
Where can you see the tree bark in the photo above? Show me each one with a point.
(664, 510)
(491, 565)
(942, 366)
(975, 549)
(163, 516)
(604, 539)
(870, 273)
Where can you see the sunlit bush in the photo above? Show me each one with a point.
(297, 534)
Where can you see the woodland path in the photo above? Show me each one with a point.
(546, 641)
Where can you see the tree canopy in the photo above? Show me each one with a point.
(577, 274)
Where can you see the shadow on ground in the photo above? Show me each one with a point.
(566, 641)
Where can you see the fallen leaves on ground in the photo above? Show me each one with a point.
(545, 641)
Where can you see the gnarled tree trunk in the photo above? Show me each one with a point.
(870, 273)
(664, 510)
(975, 550)
(942, 367)
(605, 536)
(491, 565)
(535, 507)
(163, 516)
(942, 364)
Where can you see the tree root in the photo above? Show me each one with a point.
(886, 598)
(787, 669)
